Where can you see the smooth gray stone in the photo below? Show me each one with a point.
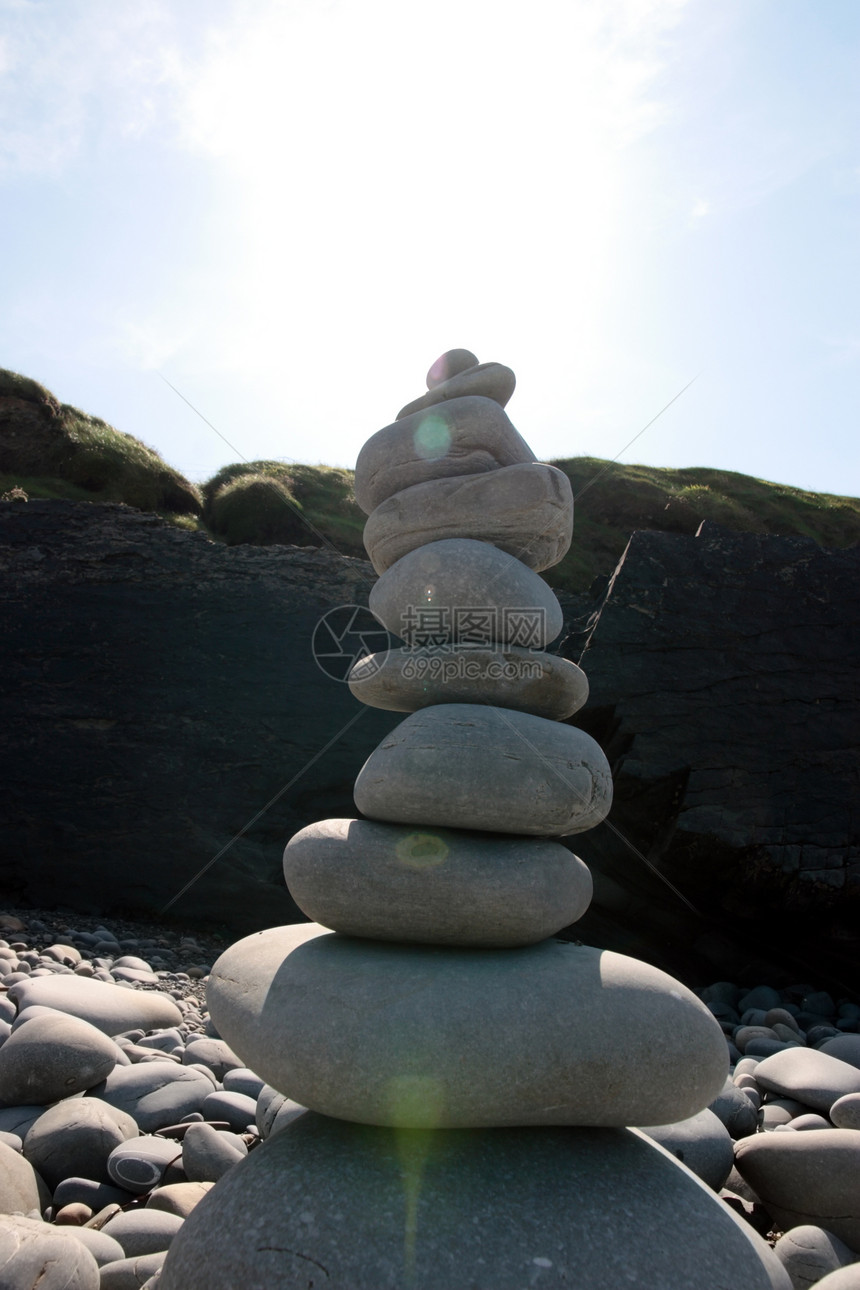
(286, 1113)
(388, 1034)
(761, 996)
(53, 1057)
(241, 1080)
(131, 1274)
(806, 1178)
(845, 1047)
(404, 680)
(845, 1279)
(17, 1119)
(459, 590)
(155, 1093)
(811, 1120)
(33, 1253)
(449, 364)
(144, 1230)
(498, 1209)
(489, 380)
(107, 1007)
(812, 1077)
(86, 1191)
(808, 1253)
(702, 1143)
(75, 1138)
(845, 1111)
(443, 887)
(463, 766)
(458, 437)
(236, 1109)
(269, 1102)
(525, 510)
(179, 1198)
(735, 1110)
(219, 1057)
(139, 1165)
(104, 1249)
(207, 1154)
(21, 1188)
(11, 1140)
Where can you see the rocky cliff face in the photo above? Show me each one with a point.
(724, 688)
(159, 689)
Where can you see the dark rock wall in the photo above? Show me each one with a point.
(724, 688)
(158, 690)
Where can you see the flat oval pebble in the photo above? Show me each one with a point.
(404, 680)
(75, 1137)
(241, 1080)
(236, 1109)
(107, 1007)
(139, 1165)
(701, 1142)
(735, 1110)
(806, 1178)
(53, 1057)
(459, 437)
(845, 1047)
(144, 1230)
(845, 1279)
(526, 510)
(20, 1186)
(104, 1249)
(207, 1154)
(808, 1253)
(449, 364)
(489, 380)
(810, 1076)
(845, 1111)
(179, 1198)
(466, 591)
(131, 1274)
(213, 1053)
(464, 766)
(33, 1253)
(500, 1209)
(384, 1034)
(442, 886)
(155, 1093)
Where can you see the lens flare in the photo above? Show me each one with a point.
(432, 438)
(421, 851)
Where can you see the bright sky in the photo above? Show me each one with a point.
(289, 208)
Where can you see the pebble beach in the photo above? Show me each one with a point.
(121, 1107)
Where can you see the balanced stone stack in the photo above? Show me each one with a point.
(468, 1076)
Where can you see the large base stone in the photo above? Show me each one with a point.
(326, 1203)
(433, 1036)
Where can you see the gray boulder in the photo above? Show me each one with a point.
(392, 1208)
(464, 766)
(459, 590)
(464, 436)
(33, 1253)
(389, 1034)
(489, 380)
(404, 680)
(805, 1178)
(526, 510)
(439, 886)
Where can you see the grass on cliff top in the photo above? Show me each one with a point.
(61, 451)
(612, 500)
(269, 502)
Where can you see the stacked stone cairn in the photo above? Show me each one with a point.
(468, 1077)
